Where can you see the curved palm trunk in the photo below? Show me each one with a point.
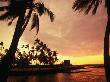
(5, 64)
(106, 48)
(8, 59)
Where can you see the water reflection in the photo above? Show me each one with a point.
(58, 77)
(88, 75)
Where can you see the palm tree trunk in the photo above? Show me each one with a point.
(106, 48)
(7, 61)
(5, 64)
(28, 17)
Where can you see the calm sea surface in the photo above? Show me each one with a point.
(84, 75)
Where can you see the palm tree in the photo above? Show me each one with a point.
(17, 9)
(87, 5)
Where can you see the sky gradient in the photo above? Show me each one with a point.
(73, 35)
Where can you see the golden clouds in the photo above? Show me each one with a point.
(71, 34)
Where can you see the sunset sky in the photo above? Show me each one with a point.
(73, 35)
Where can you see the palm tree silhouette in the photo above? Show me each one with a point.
(87, 5)
(17, 9)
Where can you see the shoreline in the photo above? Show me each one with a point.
(41, 69)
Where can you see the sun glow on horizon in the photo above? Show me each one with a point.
(95, 59)
(75, 33)
(75, 60)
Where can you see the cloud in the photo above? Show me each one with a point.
(72, 33)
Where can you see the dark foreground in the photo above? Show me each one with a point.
(41, 69)
(90, 74)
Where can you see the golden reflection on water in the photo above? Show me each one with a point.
(92, 75)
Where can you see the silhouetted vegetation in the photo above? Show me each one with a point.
(87, 6)
(39, 54)
(23, 10)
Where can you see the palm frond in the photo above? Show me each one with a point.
(79, 4)
(35, 22)
(50, 13)
(12, 11)
(86, 5)
(36, 41)
(95, 7)
(6, 15)
(89, 6)
(10, 22)
(41, 9)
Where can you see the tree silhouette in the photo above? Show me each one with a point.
(22, 59)
(1, 46)
(38, 53)
(17, 9)
(3, 51)
(46, 56)
(88, 5)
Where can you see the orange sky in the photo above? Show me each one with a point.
(75, 36)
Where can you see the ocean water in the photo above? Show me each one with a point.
(82, 75)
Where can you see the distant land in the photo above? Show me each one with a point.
(91, 65)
